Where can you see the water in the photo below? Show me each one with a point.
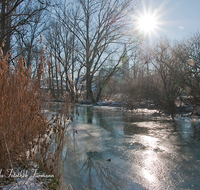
(115, 150)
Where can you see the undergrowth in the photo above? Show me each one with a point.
(27, 132)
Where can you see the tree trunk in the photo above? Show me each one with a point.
(52, 79)
(89, 89)
(57, 84)
(5, 26)
(3, 21)
(99, 94)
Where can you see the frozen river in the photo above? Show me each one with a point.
(116, 150)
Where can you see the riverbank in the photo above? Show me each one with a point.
(143, 108)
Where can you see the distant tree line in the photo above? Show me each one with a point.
(166, 74)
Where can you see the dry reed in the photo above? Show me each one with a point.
(24, 126)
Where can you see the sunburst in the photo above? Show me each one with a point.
(147, 23)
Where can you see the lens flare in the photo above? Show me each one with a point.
(188, 89)
(191, 62)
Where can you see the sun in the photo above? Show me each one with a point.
(147, 23)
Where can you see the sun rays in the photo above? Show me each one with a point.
(147, 23)
(149, 19)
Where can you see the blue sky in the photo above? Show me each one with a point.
(177, 18)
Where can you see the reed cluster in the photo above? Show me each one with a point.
(26, 130)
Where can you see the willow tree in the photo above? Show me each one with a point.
(101, 29)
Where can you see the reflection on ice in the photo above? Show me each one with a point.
(88, 167)
(149, 141)
(148, 176)
(149, 163)
(144, 154)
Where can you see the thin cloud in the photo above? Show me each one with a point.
(181, 27)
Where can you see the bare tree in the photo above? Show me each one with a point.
(187, 55)
(63, 47)
(17, 13)
(27, 43)
(100, 26)
(166, 89)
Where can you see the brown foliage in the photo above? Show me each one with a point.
(26, 131)
(21, 117)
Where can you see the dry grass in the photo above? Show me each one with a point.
(24, 127)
